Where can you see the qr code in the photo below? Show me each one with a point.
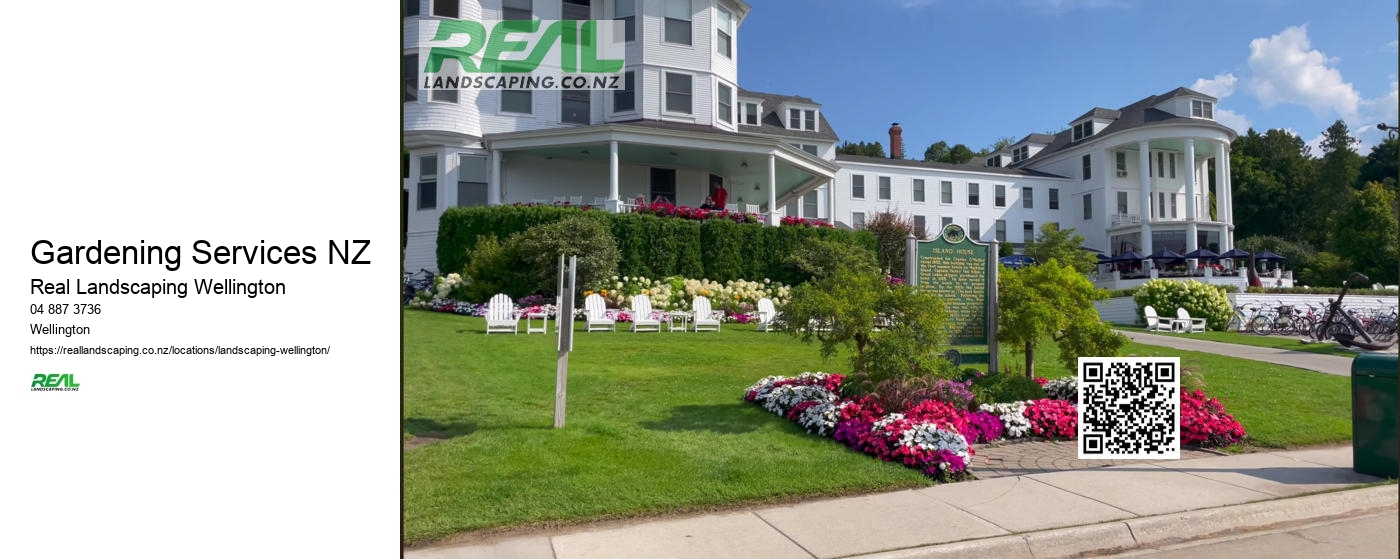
(1129, 408)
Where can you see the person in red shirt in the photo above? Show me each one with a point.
(720, 195)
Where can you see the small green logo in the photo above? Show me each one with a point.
(954, 234)
(53, 383)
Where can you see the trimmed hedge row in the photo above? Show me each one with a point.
(650, 246)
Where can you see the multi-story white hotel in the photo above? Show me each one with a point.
(1153, 174)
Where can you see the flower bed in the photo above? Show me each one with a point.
(935, 436)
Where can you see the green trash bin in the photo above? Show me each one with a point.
(1375, 415)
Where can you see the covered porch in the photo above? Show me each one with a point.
(614, 166)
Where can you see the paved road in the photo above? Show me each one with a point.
(1366, 536)
(1330, 364)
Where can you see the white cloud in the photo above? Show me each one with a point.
(1286, 69)
(1393, 45)
(1219, 87)
(1316, 145)
(1234, 120)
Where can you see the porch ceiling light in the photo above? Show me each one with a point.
(744, 163)
(585, 151)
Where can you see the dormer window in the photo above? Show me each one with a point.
(994, 161)
(1083, 130)
(749, 113)
(802, 119)
(1019, 154)
(1202, 109)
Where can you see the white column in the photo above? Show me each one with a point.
(614, 203)
(1222, 175)
(1229, 193)
(773, 218)
(493, 188)
(831, 202)
(1145, 182)
(800, 209)
(1190, 199)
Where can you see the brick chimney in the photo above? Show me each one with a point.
(896, 141)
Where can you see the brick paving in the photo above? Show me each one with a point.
(1039, 456)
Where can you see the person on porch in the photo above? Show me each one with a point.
(720, 195)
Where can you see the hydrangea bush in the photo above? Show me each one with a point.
(1066, 389)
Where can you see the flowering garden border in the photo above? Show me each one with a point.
(936, 437)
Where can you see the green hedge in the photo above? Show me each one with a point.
(651, 246)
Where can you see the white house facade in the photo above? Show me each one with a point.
(1152, 174)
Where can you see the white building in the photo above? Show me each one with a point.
(683, 123)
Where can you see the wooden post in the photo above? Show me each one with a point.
(565, 328)
(993, 364)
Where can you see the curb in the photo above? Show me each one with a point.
(1160, 530)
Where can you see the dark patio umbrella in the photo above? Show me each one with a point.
(1130, 256)
(1017, 261)
(1267, 255)
(1235, 253)
(1165, 254)
(1102, 257)
(1202, 254)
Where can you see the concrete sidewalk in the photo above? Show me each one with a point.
(1055, 514)
(1330, 364)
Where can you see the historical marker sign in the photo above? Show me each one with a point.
(962, 273)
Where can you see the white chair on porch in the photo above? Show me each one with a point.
(576, 201)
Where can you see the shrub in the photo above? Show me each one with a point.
(819, 258)
(1297, 254)
(538, 250)
(891, 232)
(1007, 387)
(1089, 339)
(1200, 299)
(957, 393)
(490, 271)
(1205, 423)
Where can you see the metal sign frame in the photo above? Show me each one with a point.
(954, 235)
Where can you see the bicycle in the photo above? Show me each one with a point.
(1244, 322)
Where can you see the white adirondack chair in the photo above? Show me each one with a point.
(1187, 324)
(560, 200)
(501, 316)
(1155, 324)
(575, 200)
(600, 201)
(642, 321)
(766, 315)
(750, 208)
(705, 318)
(597, 311)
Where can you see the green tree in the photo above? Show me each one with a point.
(1064, 245)
(1337, 172)
(892, 240)
(873, 149)
(959, 154)
(537, 252)
(1054, 301)
(1270, 176)
(1382, 165)
(1365, 233)
(937, 151)
(996, 146)
(1325, 270)
(1296, 255)
(821, 258)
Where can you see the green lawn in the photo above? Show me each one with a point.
(1291, 343)
(656, 423)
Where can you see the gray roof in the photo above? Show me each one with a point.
(1035, 139)
(1099, 112)
(1136, 115)
(770, 123)
(969, 167)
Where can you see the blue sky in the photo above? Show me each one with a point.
(973, 71)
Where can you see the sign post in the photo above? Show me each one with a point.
(963, 273)
(564, 327)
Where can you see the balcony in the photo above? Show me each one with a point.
(1125, 219)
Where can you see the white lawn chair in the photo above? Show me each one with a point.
(560, 200)
(597, 311)
(642, 321)
(501, 316)
(1185, 323)
(1155, 324)
(704, 317)
(766, 315)
(576, 201)
(600, 201)
(750, 208)
(731, 207)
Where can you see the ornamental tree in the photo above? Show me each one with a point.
(1052, 300)
(1064, 245)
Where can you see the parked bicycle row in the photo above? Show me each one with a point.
(1380, 321)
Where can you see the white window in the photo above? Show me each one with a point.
(1020, 153)
(1161, 165)
(1171, 164)
(678, 22)
(1054, 198)
(1173, 204)
(1088, 206)
(517, 101)
(809, 120)
(577, 10)
(974, 229)
(517, 9)
(795, 119)
(410, 8)
(724, 42)
(626, 12)
(427, 182)
(809, 204)
(974, 194)
(1122, 203)
(1083, 130)
(809, 148)
(726, 104)
(1000, 196)
(858, 220)
(1001, 230)
(1027, 197)
(884, 188)
(678, 93)
(444, 95)
(1086, 164)
(409, 68)
(994, 161)
(1028, 231)
(448, 8)
(919, 226)
(858, 187)
(1120, 160)
(945, 194)
(750, 116)
(1161, 204)
(918, 190)
(1201, 109)
(625, 99)
(947, 221)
